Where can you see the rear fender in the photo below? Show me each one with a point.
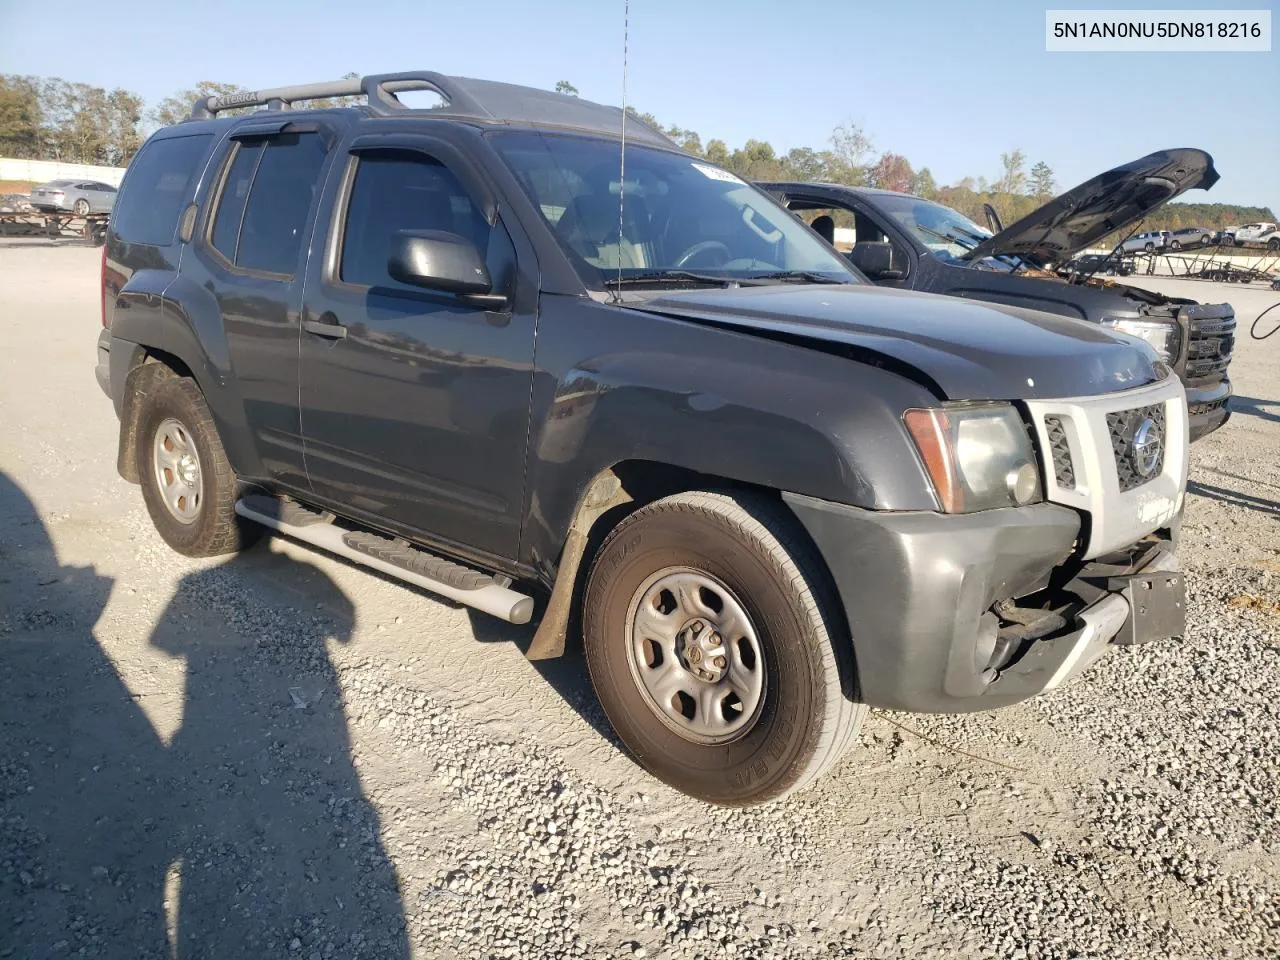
(187, 326)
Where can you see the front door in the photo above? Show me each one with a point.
(415, 403)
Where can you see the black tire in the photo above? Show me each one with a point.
(1273, 243)
(81, 207)
(216, 528)
(1175, 244)
(1149, 247)
(809, 711)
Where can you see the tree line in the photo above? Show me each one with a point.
(48, 118)
(1016, 191)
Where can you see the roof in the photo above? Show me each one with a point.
(800, 186)
(462, 98)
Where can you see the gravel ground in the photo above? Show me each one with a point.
(282, 755)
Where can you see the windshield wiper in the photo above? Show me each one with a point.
(808, 276)
(680, 276)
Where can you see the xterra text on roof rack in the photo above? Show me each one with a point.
(456, 345)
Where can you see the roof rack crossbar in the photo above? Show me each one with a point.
(380, 89)
(463, 98)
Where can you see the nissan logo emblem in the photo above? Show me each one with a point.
(1145, 448)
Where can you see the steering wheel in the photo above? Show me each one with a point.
(703, 247)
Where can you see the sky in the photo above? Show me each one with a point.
(950, 85)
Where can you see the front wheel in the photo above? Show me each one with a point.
(716, 646)
(1273, 243)
(187, 482)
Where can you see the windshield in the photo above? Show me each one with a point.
(948, 234)
(680, 217)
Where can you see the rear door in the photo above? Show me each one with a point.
(415, 403)
(250, 259)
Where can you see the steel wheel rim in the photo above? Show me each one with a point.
(695, 656)
(177, 471)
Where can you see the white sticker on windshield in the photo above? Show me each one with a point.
(715, 173)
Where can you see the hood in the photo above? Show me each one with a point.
(960, 350)
(1110, 201)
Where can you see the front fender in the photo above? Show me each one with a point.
(725, 404)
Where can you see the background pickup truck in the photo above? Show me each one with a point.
(909, 243)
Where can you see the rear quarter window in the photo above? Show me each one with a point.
(159, 182)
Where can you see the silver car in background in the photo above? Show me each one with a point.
(1150, 242)
(80, 197)
(1191, 237)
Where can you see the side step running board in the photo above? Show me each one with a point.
(393, 557)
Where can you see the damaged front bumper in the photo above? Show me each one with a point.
(918, 591)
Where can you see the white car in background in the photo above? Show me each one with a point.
(1258, 233)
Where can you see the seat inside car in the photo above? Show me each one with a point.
(589, 227)
(825, 227)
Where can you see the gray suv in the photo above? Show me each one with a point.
(649, 409)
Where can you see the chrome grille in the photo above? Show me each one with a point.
(1210, 343)
(1123, 424)
(1063, 469)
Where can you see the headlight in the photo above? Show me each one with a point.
(978, 456)
(1164, 337)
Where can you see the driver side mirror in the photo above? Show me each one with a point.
(875, 260)
(439, 260)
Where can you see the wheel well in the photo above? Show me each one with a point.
(613, 495)
(151, 368)
(645, 481)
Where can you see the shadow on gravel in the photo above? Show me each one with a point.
(566, 675)
(1234, 497)
(248, 835)
(1253, 407)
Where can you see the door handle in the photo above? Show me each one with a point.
(333, 331)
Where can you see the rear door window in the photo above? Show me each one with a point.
(235, 193)
(266, 200)
(160, 181)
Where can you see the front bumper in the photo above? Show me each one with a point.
(1208, 407)
(917, 590)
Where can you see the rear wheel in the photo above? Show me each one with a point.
(187, 483)
(1175, 244)
(1149, 247)
(716, 646)
(81, 207)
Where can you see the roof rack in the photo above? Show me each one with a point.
(462, 98)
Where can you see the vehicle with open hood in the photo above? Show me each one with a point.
(483, 349)
(910, 243)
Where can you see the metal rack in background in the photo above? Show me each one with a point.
(37, 223)
(1207, 263)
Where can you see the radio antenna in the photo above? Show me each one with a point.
(622, 156)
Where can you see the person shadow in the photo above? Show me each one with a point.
(247, 834)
